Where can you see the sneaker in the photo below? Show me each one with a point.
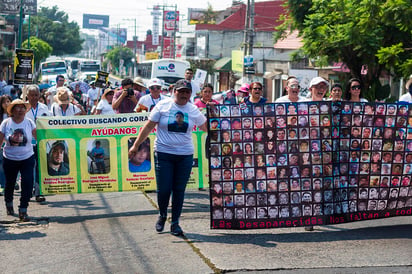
(24, 217)
(160, 224)
(309, 228)
(176, 230)
(40, 199)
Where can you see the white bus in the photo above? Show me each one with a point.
(168, 70)
(51, 68)
(87, 69)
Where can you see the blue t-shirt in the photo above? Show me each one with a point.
(144, 167)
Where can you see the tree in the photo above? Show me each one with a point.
(117, 53)
(53, 26)
(40, 48)
(373, 34)
(209, 15)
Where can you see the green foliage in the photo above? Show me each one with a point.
(117, 53)
(373, 33)
(209, 16)
(206, 64)
(40, 48)
(53, 26)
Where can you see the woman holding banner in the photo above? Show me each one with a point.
(173, 161)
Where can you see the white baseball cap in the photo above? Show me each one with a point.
(317, 80)
(155, 82)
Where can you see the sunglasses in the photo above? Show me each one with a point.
(257, 88)
(294, 86)
(355, 87)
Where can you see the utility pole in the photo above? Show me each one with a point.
(20, 24)
(246, 30)
(174, 34)
(163, 32)
(249, 34)
(251, 26)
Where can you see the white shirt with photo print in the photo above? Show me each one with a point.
(18, 139)
(175, 142)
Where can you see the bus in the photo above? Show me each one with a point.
(87, 69)
(167, 70)
(50, 68)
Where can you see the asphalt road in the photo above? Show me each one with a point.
(114, 233)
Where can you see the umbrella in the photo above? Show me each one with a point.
(44, 86)
(84, 87)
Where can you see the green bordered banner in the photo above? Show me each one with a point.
(86, 154)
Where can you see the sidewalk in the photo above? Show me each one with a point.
(114, 233)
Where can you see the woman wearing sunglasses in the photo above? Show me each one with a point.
(354, 91)
(255, 94)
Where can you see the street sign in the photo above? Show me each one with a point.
(13, 7)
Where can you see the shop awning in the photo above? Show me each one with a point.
(223, 64)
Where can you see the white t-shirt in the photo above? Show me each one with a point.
(56, 110)
(93, 94)
(148, 101)
(18, 139)
(285, 99)
(41, 110)
(173, 137)
(406, 98)
(105, 107)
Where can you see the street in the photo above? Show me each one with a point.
(114, 233)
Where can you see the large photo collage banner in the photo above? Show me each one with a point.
(86, 154)
(309, 163)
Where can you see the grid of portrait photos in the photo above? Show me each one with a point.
(293, 160)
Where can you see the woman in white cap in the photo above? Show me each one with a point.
(174, 118)
(148, 101)
(18, 131)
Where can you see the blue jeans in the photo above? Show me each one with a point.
(11, 169)
(2, 177)
(172, 174)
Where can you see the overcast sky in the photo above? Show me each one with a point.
(118, 10)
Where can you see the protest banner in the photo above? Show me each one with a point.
(86, 154)
(309, 163)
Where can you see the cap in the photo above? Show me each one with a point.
(244, 88)
(154, 82)
(58, 143)
(317, 80)
(183, 84)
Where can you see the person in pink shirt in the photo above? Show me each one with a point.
(205, 98)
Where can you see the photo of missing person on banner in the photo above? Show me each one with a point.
(292, 161)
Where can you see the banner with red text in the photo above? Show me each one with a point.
(83, 154)
(310, 163)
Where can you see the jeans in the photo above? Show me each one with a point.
(172, 174)
(36, 173)
(11, 169)
(2, 177)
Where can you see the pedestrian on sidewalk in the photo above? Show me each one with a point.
(174, 118)
(18, 132)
